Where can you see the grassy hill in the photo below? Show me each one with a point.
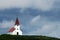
(14, 37)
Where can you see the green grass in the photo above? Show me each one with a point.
(25, 37)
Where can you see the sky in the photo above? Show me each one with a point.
(37, 17)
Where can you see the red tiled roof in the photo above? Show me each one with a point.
(12, 29)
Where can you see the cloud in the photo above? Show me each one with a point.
(35, 19)
(6, 24)
(37, 4)
(43, 4)
(56, 4)
(14, 3)
(45, 27)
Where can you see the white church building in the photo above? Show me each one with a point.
(16, 30)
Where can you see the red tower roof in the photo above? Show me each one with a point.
(17, 21)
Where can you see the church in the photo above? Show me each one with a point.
(16, 30)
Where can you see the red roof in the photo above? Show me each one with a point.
(17, 21)
(12, 29)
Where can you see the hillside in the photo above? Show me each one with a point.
(14, 37)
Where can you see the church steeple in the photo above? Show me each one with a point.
(17, 21)
(16, 29)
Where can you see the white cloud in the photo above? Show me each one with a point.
(46, 28)
(6, 24)
(35, 19)
(43, 4)
(38, 4)
(14, 3)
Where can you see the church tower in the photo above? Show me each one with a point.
(16, 30)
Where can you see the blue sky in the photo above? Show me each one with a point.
(37, 17)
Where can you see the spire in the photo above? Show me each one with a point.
(17, 21)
